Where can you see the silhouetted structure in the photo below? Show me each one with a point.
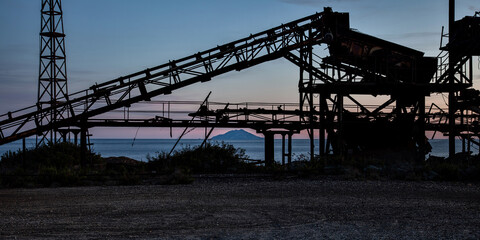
(52, 78)
(358, 65)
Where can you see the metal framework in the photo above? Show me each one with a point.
(144, 85)
(52, 79)
(357, 65)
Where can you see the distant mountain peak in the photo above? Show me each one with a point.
(239, 134)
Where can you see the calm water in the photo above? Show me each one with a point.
(254, 149)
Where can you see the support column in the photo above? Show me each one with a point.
(283, 150)
(289, 150)
(462, 122)
(83, 145)
(321, 143)
(311, 103)
(468, 145)
(340, 124)
(75, 138)
(24, 149)
(451, 82)
(421, 128)
(269, 149)
(312, 137)
(64, 136)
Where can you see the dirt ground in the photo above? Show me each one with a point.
(246, 208)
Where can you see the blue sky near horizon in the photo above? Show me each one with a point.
(110, 38)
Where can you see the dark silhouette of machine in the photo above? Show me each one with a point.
(357, 65)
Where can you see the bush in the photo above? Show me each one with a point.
(52, 164)
(212, 158)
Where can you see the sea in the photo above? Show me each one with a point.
(139, 149)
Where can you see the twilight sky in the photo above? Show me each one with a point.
(110, 38)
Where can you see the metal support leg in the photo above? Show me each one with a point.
(289, 150)
(321, 144)
(24, 149)
(451, 82)
(468, 145)
(75, 138)
(340, 125)
(83, 146)
(421, 128)
(283, 150)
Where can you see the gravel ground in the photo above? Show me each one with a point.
(246, 208)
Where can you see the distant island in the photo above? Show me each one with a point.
(236, 135)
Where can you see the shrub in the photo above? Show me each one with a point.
(44, 166)
(212, 158)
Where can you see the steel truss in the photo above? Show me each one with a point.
(343, 75)
(144, 85)
(358, 64)
(52, 80)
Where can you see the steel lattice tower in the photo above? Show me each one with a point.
(52, 80)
